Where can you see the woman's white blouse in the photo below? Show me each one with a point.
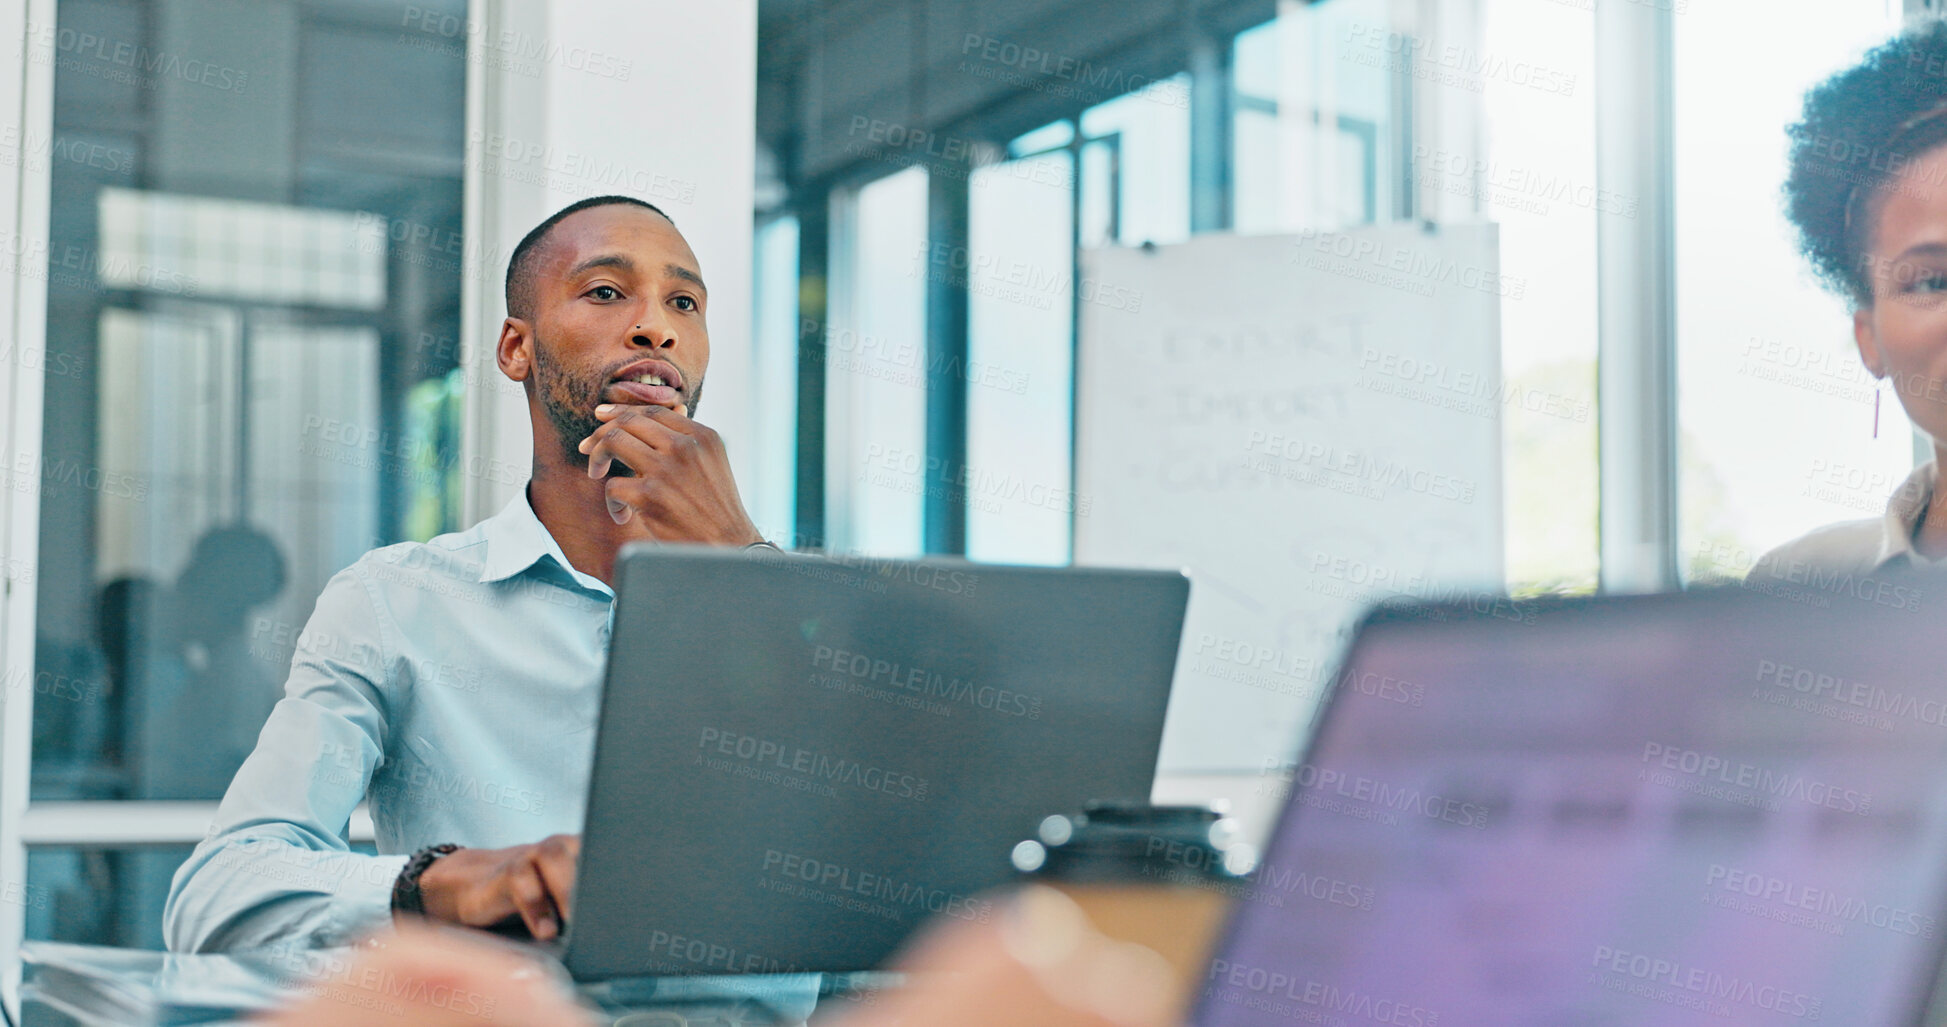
(1856, 547)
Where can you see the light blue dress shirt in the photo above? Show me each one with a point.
(455, 685)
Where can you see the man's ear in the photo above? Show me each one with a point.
(515, 350)
(1867, 339)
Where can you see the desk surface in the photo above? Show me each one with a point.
(83, 986)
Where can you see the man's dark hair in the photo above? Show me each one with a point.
(1860, 127)
(520, 267)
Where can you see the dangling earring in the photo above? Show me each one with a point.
(1876, 395)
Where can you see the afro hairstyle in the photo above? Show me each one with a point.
(1860, 128)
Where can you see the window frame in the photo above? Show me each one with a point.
(26, 112)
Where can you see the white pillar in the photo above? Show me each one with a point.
(655, 99)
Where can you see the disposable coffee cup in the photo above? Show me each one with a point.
(1163, 877)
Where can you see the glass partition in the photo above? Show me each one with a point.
(253, 322)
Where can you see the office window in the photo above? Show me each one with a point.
(1776, 411)
(1537, 181)
(252, 378)
(1099, 189)
(1020, 369)
(1313, 129)
(875, 366)
(111, 896)
(1136, 166)
(252, 252)
(776, 332)
(1497, 98)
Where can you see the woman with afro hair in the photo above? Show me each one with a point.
(1868, 193)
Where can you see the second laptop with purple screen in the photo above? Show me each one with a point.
(1716, 808)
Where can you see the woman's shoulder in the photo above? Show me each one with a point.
(1848, 547)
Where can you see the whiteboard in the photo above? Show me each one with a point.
(1308, 424)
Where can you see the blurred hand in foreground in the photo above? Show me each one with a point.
(428, 977)
(1038, 964)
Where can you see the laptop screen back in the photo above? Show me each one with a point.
(801, 760)
(1703, 809)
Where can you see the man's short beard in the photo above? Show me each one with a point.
(570, 400)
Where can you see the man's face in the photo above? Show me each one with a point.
(617, 309)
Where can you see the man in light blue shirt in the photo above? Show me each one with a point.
(454, 684)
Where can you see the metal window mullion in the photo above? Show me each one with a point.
(1211, 75)
(1075, 198)
(1636, 299)
(814, 290)
(948, 230)
(1405, 129)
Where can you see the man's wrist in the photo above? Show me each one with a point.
(408, 895)
(751, 535)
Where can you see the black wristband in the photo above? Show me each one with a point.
(406, 897)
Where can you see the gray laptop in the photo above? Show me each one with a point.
(802, 759)
(1717, 808)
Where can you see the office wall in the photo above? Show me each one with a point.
(654, 99)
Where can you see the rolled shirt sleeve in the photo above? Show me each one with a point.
(277, 867)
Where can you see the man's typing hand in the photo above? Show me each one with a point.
(680, 485)
(491, 887)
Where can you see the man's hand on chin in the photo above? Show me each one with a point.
(491, 887)
(681, 486)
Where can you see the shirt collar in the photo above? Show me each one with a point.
(1903, 512)
(517, 540)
